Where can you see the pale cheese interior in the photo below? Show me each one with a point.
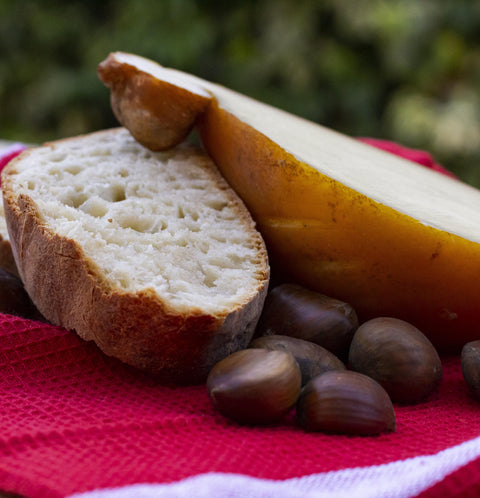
(427, 196)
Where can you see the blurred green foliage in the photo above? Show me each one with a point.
(406, 70)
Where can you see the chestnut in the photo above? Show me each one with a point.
(255, 386)
(398, 356)
(470, 360)
(295, 311)
(345, 402)
(311, 358)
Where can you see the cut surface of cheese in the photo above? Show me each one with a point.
(400, 184)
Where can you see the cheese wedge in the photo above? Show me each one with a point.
(388, 236)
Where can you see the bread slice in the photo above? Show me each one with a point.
(7, 152)
(6, 257)
(150, 255)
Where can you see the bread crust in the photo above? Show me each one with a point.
(138, 328)
(157, 123)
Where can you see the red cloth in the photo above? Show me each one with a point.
(73, 420)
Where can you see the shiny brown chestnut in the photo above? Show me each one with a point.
(255, 386)
(345, 402)
(398, 356)
(14, 300)
(311, 358)
(470, 359)
(295, 311)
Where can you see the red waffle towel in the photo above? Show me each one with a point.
(75, 422)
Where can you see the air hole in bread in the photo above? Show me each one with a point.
(231, 262)
(211, 277)
(159, 225)
(119, 193)
(75, 200)
(57, 157)
(73, 169)
(54, 171)
(181, 242)
(218, 205)
(194, 215)
(235, 260)
(219, 238)
(189, 215)
(95, 207)
(113, 193)
(142, 224)
(124, 281)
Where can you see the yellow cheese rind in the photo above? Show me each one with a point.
(335, 240)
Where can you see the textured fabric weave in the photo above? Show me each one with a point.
(73, 420)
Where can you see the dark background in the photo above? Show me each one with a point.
(407, 71)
